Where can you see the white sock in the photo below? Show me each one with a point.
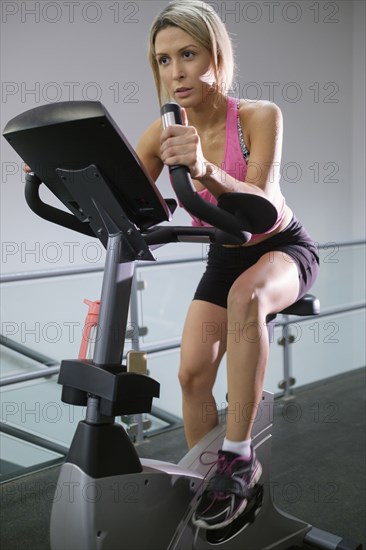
(241, 448)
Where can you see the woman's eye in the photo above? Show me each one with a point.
(163, 60)
(188, 54)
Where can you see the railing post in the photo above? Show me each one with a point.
(285, 341)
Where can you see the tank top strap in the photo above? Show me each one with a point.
(234, 160)
(232, 114)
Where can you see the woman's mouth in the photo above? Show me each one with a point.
(183, 92)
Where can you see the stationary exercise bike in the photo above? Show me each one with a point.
(107, 497)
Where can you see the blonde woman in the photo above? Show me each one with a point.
(229, 145)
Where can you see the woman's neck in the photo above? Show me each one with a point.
(209, 114)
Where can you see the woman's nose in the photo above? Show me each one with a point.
(178, 71)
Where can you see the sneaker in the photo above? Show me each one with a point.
(228, 491)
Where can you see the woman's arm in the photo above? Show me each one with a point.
(266, 136)
(265, 128)
(263, 121)
(148, 150)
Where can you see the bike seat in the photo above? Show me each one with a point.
(307, 305)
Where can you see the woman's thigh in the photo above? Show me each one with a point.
(273, 282)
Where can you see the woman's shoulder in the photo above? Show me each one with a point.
(255, 109)
(257, 117)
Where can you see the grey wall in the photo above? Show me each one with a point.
(308, 57)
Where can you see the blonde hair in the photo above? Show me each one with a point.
(200, 21)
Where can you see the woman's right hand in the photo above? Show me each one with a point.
(26, 168)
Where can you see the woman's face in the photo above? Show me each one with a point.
(185, 66)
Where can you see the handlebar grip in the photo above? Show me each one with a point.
(50, 213)
(171, 114)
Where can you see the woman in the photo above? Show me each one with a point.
(228, 145)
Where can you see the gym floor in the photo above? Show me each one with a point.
(318, 466)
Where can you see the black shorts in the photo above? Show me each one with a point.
(224, 264)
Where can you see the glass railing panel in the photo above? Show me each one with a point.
(48, 315)
(12, 362)
(17, 455)
(36, 408)
(323, 347)
(341, 279)
(164, 302)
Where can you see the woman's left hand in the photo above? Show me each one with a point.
(181, 145)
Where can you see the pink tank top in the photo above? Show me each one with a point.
(235, 163)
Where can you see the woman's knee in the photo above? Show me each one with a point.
(247, 300)
(196, 377)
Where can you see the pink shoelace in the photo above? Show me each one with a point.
(224, 468)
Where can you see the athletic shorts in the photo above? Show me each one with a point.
(225, 264)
